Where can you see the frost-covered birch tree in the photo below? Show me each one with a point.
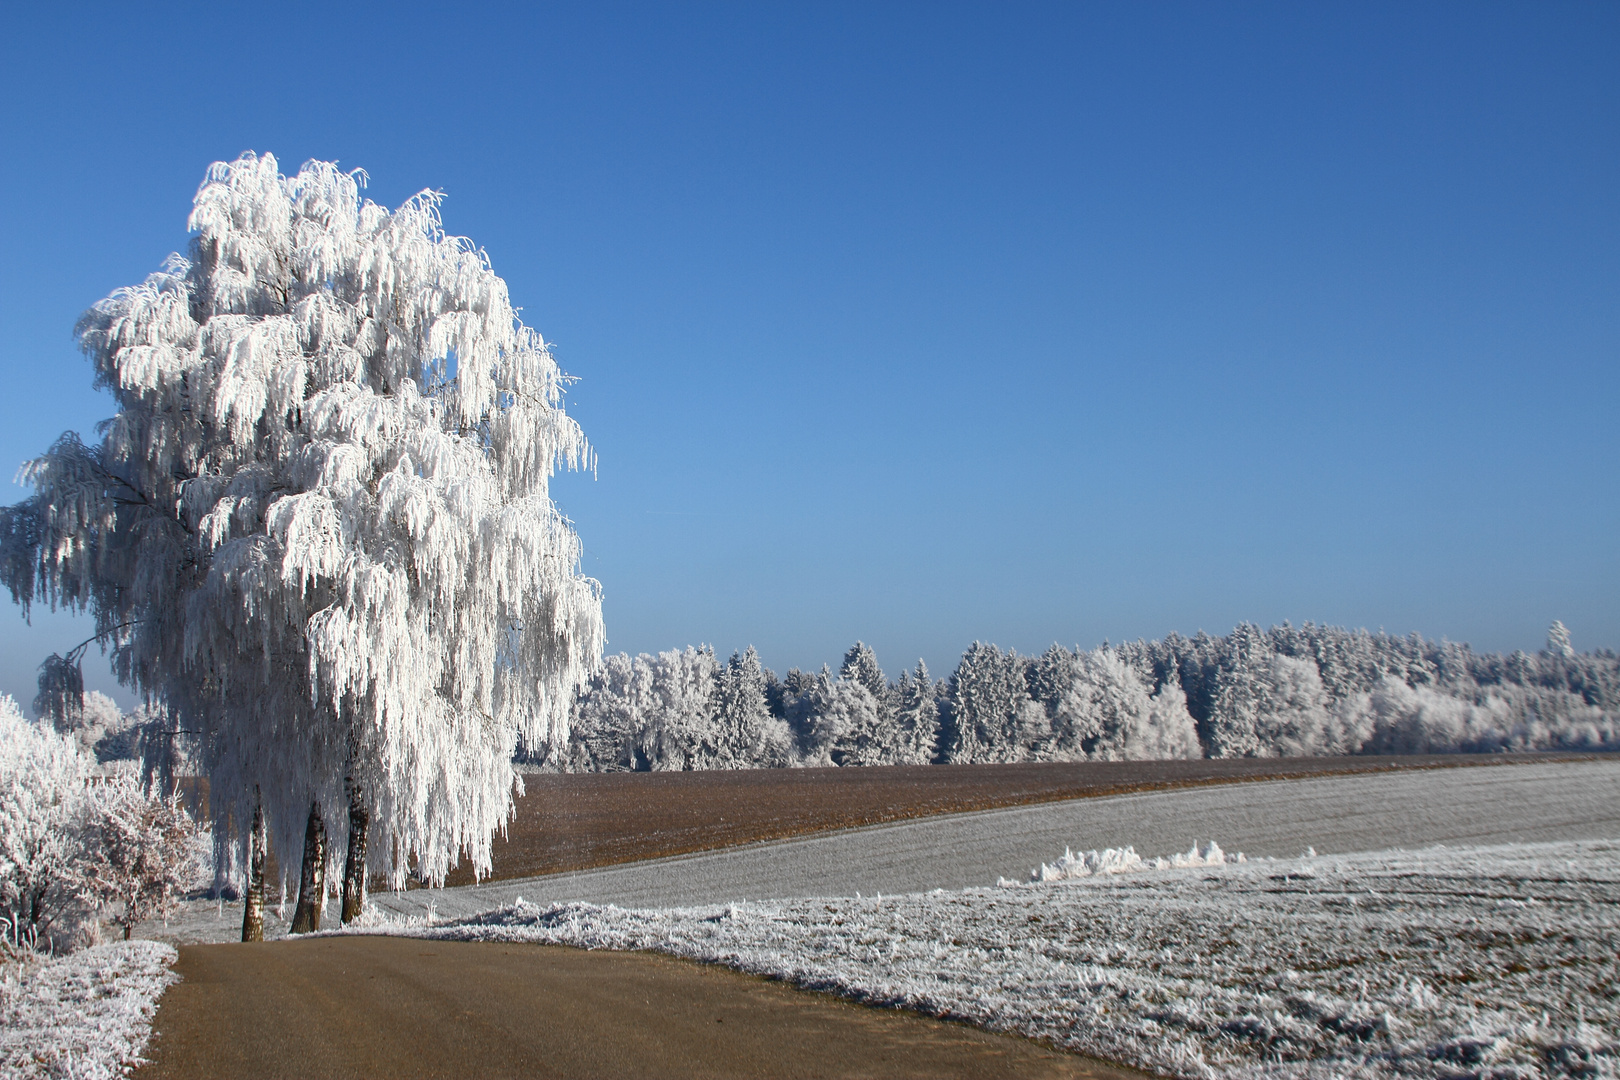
(319, 527)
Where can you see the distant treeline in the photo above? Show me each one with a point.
(1285, 691)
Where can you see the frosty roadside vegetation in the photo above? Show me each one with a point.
(84, 1015)
(1487, 962)
(76, 847)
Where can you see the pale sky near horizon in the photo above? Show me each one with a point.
(940, 323)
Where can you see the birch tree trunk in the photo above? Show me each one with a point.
(312, 880)
(354, 867)
(253, 909)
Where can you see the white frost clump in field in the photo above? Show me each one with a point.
(1125, 861)
(1486, 962)
(85, 1015)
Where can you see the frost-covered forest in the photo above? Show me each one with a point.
(1280, 692)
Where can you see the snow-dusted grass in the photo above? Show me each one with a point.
(84, 1015)
(1484, 962)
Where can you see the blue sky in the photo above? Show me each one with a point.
(927, 324)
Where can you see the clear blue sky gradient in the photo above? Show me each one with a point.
(939, 323)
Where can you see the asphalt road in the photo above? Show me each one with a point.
(364, 1007)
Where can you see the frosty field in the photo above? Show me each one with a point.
(1499, 961)
(579, 821)
(1470, 806)
(1497, 955)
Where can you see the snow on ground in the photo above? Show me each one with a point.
(1126, 861)
(1483, 962)
(1459, 806)
(84, 1015)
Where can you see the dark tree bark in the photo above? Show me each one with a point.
(354, 868)
(312, 881)
(253, 909)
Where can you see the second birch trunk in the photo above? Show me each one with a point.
(312, 879)
(354, 867)
(253, 908)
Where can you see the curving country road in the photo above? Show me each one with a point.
(356, 1008)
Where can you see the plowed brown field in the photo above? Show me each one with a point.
(581, 820)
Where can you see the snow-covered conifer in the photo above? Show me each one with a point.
(861, 665)
(743, 720)
(916, 718)
(1238, 693)
(319, 526)
(986, 691)
(827, 714)
(1558, 641)
(867, 728)
(876, 741)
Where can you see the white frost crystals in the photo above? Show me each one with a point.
(1485, 962)
(319, 527)
(88, 1014)
(1125, 860)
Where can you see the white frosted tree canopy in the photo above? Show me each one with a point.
(319, 525)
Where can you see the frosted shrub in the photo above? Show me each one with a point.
(43, 809)
(1413, 720)
(1418, 720)
(140, 852)
(1126, 861)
